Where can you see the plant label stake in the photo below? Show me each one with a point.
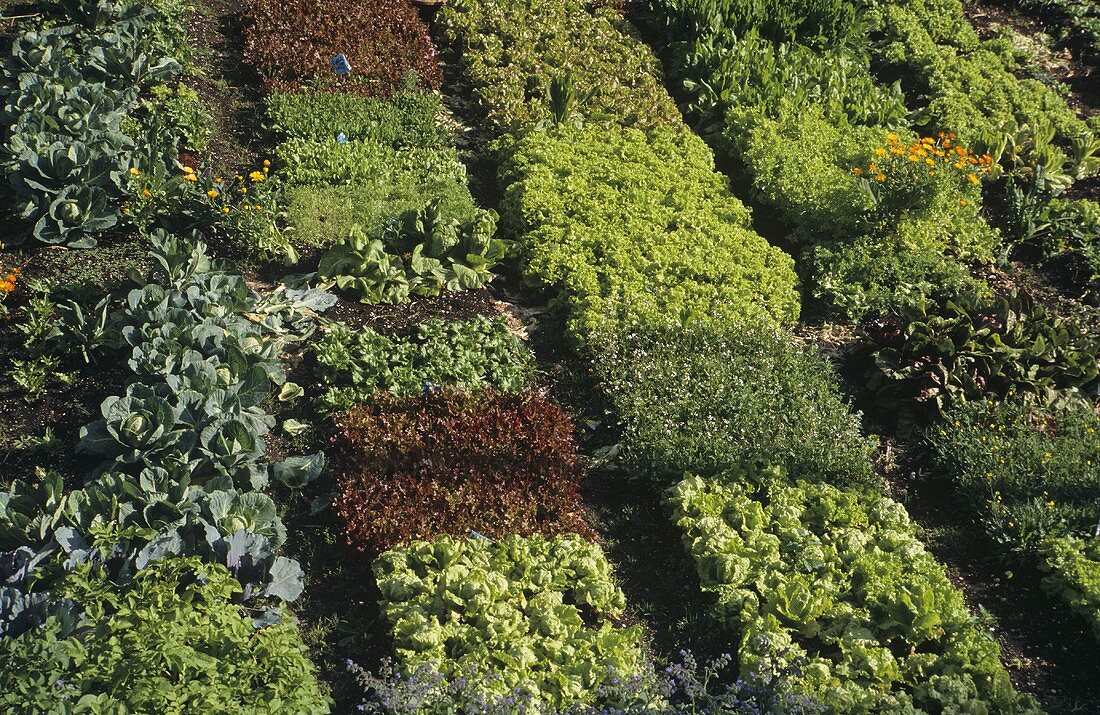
(341, 138)
(341, 65)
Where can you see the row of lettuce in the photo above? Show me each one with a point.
(153, 581)
(451, 470)
(618, 212)
(1000, 393)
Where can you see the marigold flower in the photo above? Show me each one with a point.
(134, 171)
(930, 161)
(225, 209)
(146, 192)
(212, 194)
(880, 177)
(857, 171)
(267, 162)
(973, 179)
(963, 202)
(914, 158)
(188, 170)
(256, 176)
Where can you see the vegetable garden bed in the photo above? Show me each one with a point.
(357, 359)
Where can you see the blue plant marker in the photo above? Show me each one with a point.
(341, 65)
(476, 535)
(341, 138)
(431, 387)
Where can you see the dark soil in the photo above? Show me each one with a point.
(230, 87)
(404, 318)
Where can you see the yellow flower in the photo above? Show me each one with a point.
(963, 202)
(146, 192)
(212, 194)
(244, 189)
(267, 163)
(225, 209)
(256, 206)
(857, 171)
(256, 176)
(880, 152)
(914, 158)
(892, 137)
(245, 207)
(930, 162)
(188, 170)
(134, 171)
(880, 177)
(973, 179)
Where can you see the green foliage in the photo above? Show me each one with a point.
(1030, 473)
(326, 215)
(839, 578)
(706, 399)
(1073, 564)
(354, 365)
(967, 86)
(181, 449)
(409, 120)
(421, 253)
(807, 168)
(1059, 229)
(335, 187)
(812, 22)
(634, 227)
(172, 641)
(881, 276)
(358, 162)
(183, 109)
(936, 355)
(727, 62)
(532, 614)
(65, 152)
(511, 52)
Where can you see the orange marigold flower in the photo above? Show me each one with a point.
(973, 179)
(857, 171)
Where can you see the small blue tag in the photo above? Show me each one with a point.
(475, 535)
(341, 138)
(341, 65)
